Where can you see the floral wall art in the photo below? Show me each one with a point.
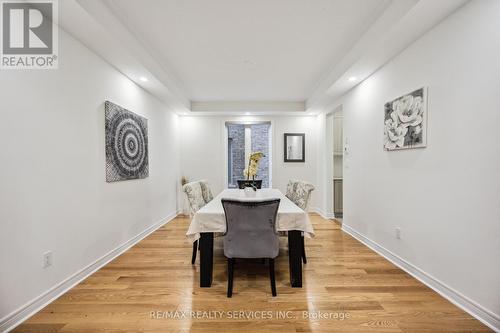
(406, 121)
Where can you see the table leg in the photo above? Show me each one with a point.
(206, 258)
(295, 257)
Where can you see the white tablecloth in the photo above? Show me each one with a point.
(211, 217)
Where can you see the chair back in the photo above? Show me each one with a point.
(195, 196)
(206, 191)
(290, 189)
(299, 192)
(251, 228)
(303, 194)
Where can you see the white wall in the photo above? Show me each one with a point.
(53, 191)
(203, 155)
(445, 197)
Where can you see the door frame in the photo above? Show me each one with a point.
(246, 121)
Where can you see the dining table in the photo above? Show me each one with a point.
(210, 221)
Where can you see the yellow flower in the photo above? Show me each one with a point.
(256, 156)
(253, 165)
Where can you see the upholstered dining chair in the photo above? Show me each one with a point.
(299, 192)
(206, 192)
(198, 194)
(290, 189)
(302, 194)
(250, 233)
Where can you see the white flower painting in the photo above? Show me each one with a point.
(406, 121)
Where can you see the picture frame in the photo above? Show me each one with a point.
(405, 121)
(294, 147)
(126, 136)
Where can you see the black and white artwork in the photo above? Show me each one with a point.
(405, 122)
(126, 144)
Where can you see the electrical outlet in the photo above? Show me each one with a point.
(47, 259)
(398, 233)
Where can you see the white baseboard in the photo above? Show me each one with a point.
(15, 318)
(322, 213)
(484, 315)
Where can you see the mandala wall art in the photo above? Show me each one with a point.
(405, 121)
(126, 144)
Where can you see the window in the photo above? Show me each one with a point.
(242, 140)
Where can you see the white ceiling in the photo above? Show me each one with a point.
(259, 50)
(235, 56)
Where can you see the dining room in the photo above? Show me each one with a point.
(249, 166)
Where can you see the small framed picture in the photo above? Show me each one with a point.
(295, 147)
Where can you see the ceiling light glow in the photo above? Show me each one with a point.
(352, 79)
(143, 79)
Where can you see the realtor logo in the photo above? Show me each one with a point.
(29, 34)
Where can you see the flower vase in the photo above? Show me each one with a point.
(249, 192)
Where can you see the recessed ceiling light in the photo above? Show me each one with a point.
(247, 113)
(353, 78)
(143, 79)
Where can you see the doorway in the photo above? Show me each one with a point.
(335, 163)
(338, 164)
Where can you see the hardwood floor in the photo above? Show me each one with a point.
(342, 279)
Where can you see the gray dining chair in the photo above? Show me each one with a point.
(198, 194)
(299, 192)
(250, 233)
